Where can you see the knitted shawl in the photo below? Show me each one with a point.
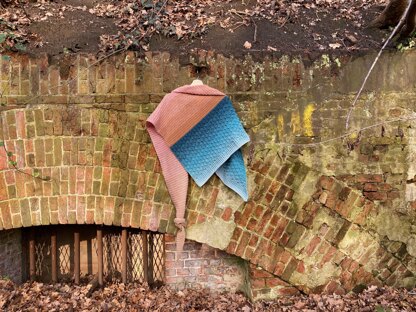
(195, 130)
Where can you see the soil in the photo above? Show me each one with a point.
(79, 31)
(294, 38)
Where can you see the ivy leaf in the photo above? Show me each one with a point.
(147, 4)
(20, 47)
(6, 58)
(1, 143)
(36, 173)
(10, 154)
(3, 37)
(13, 163)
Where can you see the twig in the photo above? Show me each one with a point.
(394, 32)
(13, 163)
(255, 30)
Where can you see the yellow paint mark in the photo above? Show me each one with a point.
(280, 126)
(307, 120)
(295, 123)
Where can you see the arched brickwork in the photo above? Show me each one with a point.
(315, 220)
(98, 165)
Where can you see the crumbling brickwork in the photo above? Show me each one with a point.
(320, 218)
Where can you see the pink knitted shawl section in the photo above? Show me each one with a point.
(178, 113)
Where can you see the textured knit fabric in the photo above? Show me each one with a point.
(196, 130)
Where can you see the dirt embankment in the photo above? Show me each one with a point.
(233, 27)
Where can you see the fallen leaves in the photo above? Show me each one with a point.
(138, 21)
(247, 45)
(137, 297)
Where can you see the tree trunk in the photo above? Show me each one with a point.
(391, 16)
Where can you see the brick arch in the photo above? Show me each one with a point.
(313, 233)
(99, 165)
(103, 170)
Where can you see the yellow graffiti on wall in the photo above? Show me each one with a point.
(298, 125)
(307, 120)
(280, 126)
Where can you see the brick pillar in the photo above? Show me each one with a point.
(11, 255)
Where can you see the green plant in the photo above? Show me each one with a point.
(408, 43)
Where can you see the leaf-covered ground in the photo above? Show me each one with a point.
(286, 26)
(134, 297)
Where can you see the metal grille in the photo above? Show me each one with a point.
(158, 263)
(41, 250)
(112, 255)
(42, 255)
(144, 261)
(64, 258)
(135, 258)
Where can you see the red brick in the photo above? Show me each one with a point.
(312, 245)
(273, 282)
(274, 220)
(252, 224)
(326, 182)
(373, 178)
(257, 273)
(258, 212)
(269, 231)
(284, 239)
(226, 216)
(328, 256)
(248, 253)
(253, 241)
(301, 267)
(279, 269)
(5, 214)
(247, 211)
(279, 230)
(269, 198)
(353, 266)
(10, 177)
(331, 287)
(393, 195)
(201, 218)
(232, 246)
(258, 283)
(345, 192)
(237, 233)
(245, 238)
(288, 291)
(274, 187)
(3, 188)
(380, 196)
(370, 187)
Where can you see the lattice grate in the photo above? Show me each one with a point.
(145, 254)
(135, 258)
(158, 257)
(42, 256)
(112, 255)
(64, 256)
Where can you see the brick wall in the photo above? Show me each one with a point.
(200, 265)
(11, 255)
(321, 218)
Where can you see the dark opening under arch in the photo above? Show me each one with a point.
(67, 253)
